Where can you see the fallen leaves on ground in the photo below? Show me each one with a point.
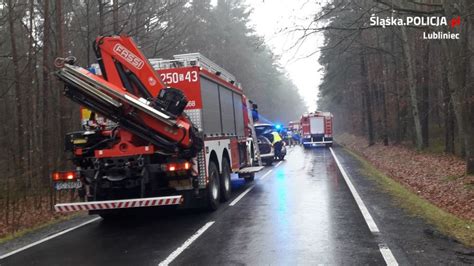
(439, 178)
(29, 212)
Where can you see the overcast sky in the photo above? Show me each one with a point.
(269, 18)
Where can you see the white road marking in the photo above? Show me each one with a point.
(265, 175)
(250, 188)
(384, 249)
(241, 196)
(363, 209)
(387, 255)
(186, 244)
(48, 238)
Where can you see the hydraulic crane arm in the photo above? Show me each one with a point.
(130, 93)
(121, 62)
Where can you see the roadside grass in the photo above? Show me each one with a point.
(469, 186)
(436, 146)
(453, 177)
(23, 232)
(448, 224)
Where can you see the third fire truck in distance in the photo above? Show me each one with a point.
(316, 129)
(294, 126)
(176, 130)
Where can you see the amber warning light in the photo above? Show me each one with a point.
(64, 176)
(171, 167)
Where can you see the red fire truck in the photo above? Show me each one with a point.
(294, 126)
(316, 129)
(155, 145)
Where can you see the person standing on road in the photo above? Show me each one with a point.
(277, 143)
(289, 138)
(296, 138)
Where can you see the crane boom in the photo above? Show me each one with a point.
(130, 93)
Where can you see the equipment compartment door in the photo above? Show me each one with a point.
(317, 125)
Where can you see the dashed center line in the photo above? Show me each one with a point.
(186, 244)
(250, 188)
(190, 240)
(265, 175)
(241, 196)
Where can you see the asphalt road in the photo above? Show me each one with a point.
(300, 211)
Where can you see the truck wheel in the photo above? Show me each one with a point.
(213, 190)
(226, 188)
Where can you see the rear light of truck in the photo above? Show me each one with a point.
(64, 176)
(181, 166)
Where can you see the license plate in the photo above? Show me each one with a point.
(67, 185)
(79, 141)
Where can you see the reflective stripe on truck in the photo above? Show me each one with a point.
(118, 204)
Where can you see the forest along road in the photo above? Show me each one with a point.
(299, 211)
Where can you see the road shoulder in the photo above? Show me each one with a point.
(42, 232)
(411, 238)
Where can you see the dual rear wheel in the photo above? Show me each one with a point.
(219, 187)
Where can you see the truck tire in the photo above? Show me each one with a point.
(225, 185)
(213, 188)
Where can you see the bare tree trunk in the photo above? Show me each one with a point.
(368, 101)
(62, 107)
(88, 39)
(31, 100)
(363, 115)
(45, 104)
(412, 87)
(384, 110)
(101, 17)
(425, 104)
(458, 65)
(384, 71)
(18, 93)
(115, 16)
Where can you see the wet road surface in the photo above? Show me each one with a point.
(299, 211)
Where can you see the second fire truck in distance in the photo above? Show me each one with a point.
(316, 129)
